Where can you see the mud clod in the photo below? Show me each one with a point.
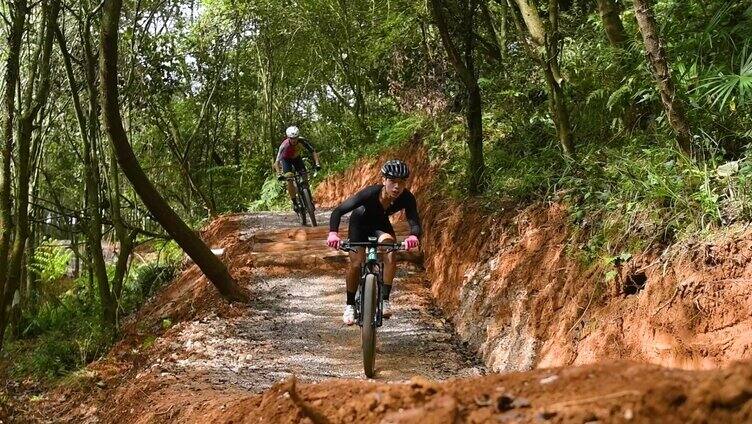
(547, 415)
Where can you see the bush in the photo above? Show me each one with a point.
(149, 278)
(60, 336)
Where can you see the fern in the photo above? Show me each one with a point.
(734, 87)
(50, 261)
(270, 196)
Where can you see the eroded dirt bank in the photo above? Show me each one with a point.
(521, 300)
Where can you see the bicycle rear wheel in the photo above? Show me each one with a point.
(308, 202)
(368, 330)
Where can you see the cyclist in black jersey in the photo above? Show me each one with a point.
(371, 208)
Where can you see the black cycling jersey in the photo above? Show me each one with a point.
(372, 211)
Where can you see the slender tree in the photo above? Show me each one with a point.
(542, 44)
(36, 95)
(211, 266)
(464, 66)
(609, 12)
(656, 56)
(18, 11)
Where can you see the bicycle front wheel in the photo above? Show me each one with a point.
(308, 202)
(368, 330)
(301, 212)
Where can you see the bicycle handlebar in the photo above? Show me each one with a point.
(347, 245)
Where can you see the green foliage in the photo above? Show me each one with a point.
(271, 197)
(60, 336)
(150, 277)
(392, 133)
(733, 89)
(65, 332)
(50, 261)
(169, 252)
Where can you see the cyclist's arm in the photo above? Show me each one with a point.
(411, 213)
(278, 160)
(308, 146)
(347, 206)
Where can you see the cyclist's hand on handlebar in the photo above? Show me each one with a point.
(333, 240)
(411, 242)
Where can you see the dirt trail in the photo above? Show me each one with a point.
(293, 327)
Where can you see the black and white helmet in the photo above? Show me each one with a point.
(394, 169)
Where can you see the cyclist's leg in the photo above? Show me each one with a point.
(299, 166)
(390, 264)
(287, 170)
(353, 274)
(386, 234)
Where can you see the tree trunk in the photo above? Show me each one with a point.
(560, 112)
(532, 21)
(662, 74)
(236, 111)
(18, 12)
(500, 30)
(37, 93)
(89, 131)
(609, 12)
(548, 61)
(474, 117)
(124, 237)
(212, 267)
(463, 65)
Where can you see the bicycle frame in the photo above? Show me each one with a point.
(371, 265)
(303, 196)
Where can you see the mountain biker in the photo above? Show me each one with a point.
(288, 158)
(371, 208)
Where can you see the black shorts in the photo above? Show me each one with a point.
(293, 163)
(361, 229)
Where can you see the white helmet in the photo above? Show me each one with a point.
(292, 132)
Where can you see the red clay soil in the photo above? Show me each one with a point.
(616, 392)
(613, 392)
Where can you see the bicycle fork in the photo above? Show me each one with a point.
(378, 318)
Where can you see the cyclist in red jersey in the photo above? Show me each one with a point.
(289, 159)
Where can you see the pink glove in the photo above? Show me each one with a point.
(333, 240)
(411, 242)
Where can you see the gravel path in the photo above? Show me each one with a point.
(294, 327)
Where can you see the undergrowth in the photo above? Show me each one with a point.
(61, 329)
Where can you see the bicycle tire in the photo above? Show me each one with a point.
(301, 212)
(368, 330)
(308, 203)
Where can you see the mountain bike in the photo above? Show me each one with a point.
(306, 208)
(369, 305)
